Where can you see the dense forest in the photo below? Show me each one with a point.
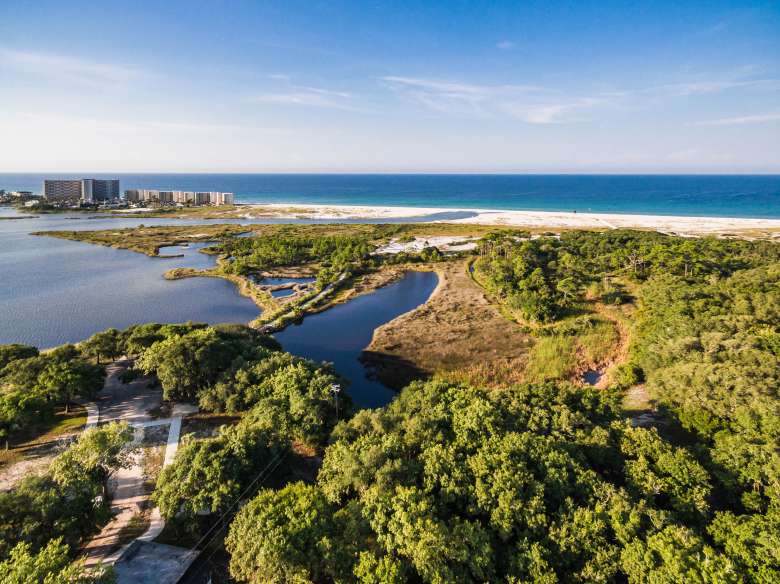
(535, 482)
(285, 401)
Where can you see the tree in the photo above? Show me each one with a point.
(279, 536)
(38, 509)
(51, 565)
(210, 474)
(188, 364)
(287, 394)
(18, 409)
(95, 456)
(752, 541)
(108, 343)
(567, 287)
(64, 381)
(15, 351)
(676, 554)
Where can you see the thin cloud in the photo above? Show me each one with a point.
(304, 96)
(506, 45)
(706, 87)
(555, 113)
(531, 104)
(741, 120)
(122, 125)
(66, 67)
(307, 97)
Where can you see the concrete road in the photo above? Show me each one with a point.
(129, 403)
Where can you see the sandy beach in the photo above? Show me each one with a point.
(528, 219)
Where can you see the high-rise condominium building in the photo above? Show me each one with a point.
(62, 190)
(101, 190)
(88, 190)
(179, 197)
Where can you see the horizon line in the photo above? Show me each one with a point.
(638, 172)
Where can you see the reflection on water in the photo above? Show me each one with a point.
(340, 334)
(280, 281)
(591, 377)
(54, 291)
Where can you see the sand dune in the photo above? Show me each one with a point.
(531, 219)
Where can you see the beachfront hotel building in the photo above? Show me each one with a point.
(178, 197)
(86, 190)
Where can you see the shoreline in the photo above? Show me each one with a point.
(680, 225)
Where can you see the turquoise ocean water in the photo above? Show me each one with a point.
(695, 195)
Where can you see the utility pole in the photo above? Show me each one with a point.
(335, 389)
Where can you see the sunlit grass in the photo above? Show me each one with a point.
(551, 358)
(44, 432)
(598, 342)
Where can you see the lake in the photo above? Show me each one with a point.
(340, 334)
(55, 291)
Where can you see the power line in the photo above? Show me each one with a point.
(277, 459)
(276, 462)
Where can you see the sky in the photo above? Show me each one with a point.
(333, 86)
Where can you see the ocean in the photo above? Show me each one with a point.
(756, 196)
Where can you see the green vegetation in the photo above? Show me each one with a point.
(337, 253)
(710, 351)
(211, 474)
(453, 483)
(51, 565)
(32, 385)
(186, 364)
(63, 502)
(542, 280)
(542, 481)
(148, 240)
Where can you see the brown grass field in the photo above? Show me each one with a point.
(458, 331)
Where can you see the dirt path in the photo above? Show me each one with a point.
(35, 465)
(38, 458)
(618, 316)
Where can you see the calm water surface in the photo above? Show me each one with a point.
(54, 291)
(340, 334)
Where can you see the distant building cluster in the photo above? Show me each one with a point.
(91, 191)
(178, 197)
(17, 197)
(83, 190)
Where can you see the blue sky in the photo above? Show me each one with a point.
(336, 86)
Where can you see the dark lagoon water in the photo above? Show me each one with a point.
(694, 195)
(340, 334)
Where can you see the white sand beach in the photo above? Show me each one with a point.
(528, 219)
